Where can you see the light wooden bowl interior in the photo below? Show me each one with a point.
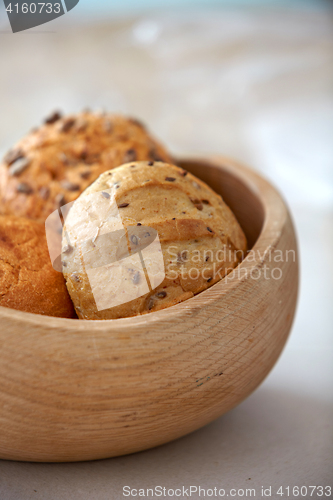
(79, 390)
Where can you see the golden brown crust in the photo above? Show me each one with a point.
(53, 164)
(27, 280)
(200, 238)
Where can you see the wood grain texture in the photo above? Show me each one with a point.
(80, 390)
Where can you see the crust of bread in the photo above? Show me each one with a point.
(53, 164)
(28, 281)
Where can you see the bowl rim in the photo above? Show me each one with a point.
(275, 215)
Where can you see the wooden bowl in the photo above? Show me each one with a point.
(81, 390)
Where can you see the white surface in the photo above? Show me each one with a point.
(253, 84)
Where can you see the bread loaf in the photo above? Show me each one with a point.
(27, 280)
(53, 164)
(144, 237)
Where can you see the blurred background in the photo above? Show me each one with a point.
(247, 79)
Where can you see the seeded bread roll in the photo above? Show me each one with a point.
(27, 280)
(53, 164)
(144, 237)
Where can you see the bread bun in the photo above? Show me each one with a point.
(144, 237)
(53, 164)
(27, 280)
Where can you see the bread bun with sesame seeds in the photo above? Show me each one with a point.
(53, 164)
(146, 236)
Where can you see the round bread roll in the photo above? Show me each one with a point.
(53, 164)
(144, 237)
(28, 281)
